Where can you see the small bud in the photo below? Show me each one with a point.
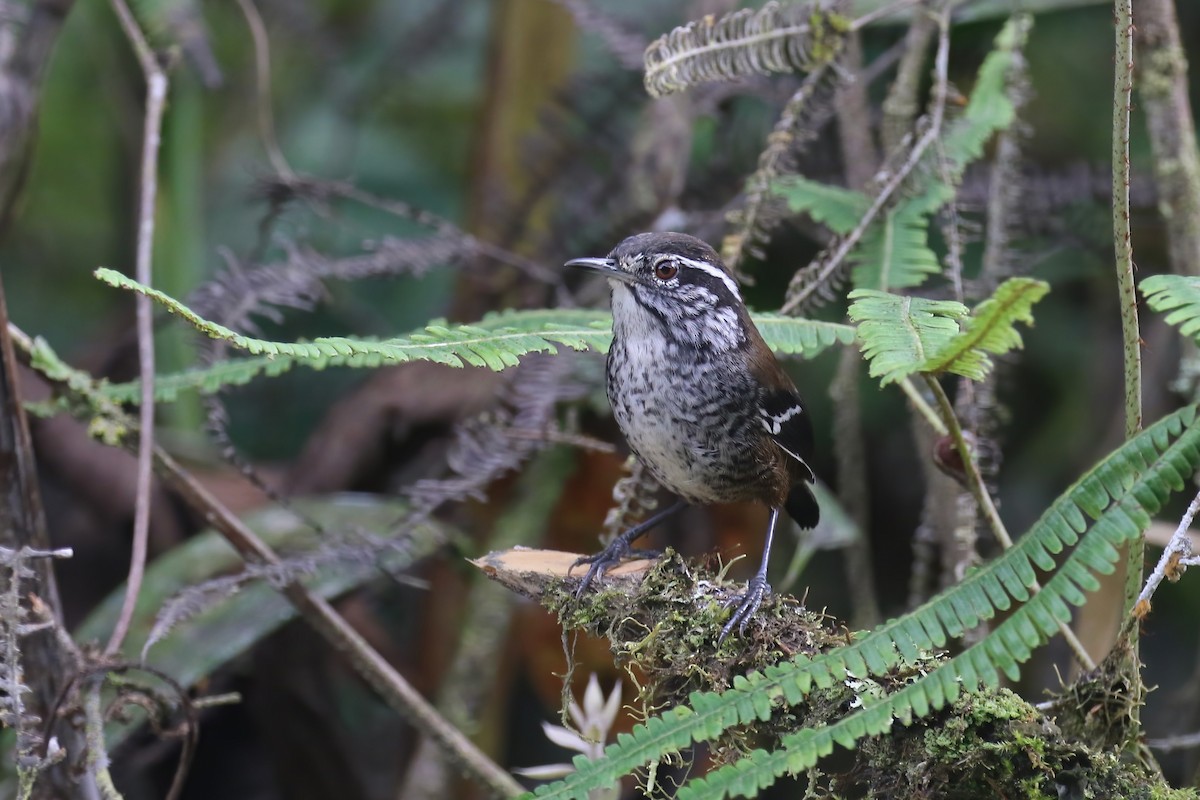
(948, 459)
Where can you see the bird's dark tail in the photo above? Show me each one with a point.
(802, 506)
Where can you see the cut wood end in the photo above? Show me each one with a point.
(530, 572)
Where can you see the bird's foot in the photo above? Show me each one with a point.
(617, 551)
(747, 603)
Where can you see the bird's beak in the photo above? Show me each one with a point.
(605, 266)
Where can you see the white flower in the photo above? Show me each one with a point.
(593, 723)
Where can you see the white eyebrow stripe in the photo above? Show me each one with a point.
(714, 271)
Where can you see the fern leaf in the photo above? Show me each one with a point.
(899, 333)
(1119, 495)
(1178, 294)
(837, 208)
(775, 38)
(496, 342)
(989, 330)
(894, 252)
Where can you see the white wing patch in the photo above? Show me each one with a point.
(774, 422)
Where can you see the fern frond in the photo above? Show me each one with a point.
(1178, 294)
(899, 333)
(497, 342)
(775, 38)
(989, 330)
(895, 253)
(835, 207)
(1119, 496)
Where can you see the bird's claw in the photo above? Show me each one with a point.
(747, 603)
(617, 551)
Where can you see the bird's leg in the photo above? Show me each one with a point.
(619, 548)
(749, 601)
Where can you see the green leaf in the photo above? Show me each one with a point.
(496, 342)
(989, 330)
(898, 334)
(1178, 294)
(894, 252)
(835, 207)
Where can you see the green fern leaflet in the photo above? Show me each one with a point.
(989, 330)
(899, 333)
(1178, 294)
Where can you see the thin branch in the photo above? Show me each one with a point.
(156, 98)
(922, 406)
(853, 490)
(900, 107)
(262, 88)
(830, 265)
(1175, 558)
(887, 10)
(1163, 90)
(984, 498)
(1135, 556)
(1169, 744)
(1122, 241)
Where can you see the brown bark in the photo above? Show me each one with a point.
(1162, 83)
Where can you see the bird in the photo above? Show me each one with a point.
(701, 400)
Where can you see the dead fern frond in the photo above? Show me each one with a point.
(484, 450)
(238, 294)
(802, 117)
(633, 498)
(776, 38)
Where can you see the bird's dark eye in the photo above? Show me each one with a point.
(666, 270)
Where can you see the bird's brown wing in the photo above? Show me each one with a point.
(787, 423)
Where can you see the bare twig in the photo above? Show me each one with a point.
(262, 88)
(1122, 241)
(900, 106)
(853, 108)
(883, 11)
(1169, 744)
(1177, 557)
(627, 47)
(156, 98)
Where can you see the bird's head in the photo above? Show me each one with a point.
(674, 282)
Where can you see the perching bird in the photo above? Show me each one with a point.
(700, 397)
